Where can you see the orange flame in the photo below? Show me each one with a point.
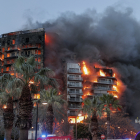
(85, 69)
(114, 75)
(102, 73)
(4, 106)
(115, 88)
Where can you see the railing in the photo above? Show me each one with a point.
(103, 88)
(75, 106)
(72, 114)
(107, 82)
(75, 85)
(75, 99)
(74, 71)
(75, 78)
(74, 92)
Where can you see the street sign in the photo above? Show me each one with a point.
(102, 136)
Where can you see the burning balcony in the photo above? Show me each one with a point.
(75, 78)
(12, 49)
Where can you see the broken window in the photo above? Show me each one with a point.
(3, 50)
(7, 68)
(13, 41)
(8, 54)
(27, 40)
(8, 42)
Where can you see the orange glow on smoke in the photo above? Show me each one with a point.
(46, 39)
(86, 72)
(102, 73)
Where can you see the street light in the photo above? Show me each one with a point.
(36, 97)
(76, 123)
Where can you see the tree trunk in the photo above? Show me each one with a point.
(23, 134)
(49, 120)
(8, 117)
(24, 121)
(94, 126)
(7, 134)
(108, 125)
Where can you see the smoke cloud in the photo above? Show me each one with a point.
(113, 37)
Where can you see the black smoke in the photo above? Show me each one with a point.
(112, 36)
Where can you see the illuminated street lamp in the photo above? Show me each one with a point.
(37, 97)
(137, 120)
(76, 123)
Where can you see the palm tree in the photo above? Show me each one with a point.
(54, 104)
(108, 101)
(92, 108)
(6, 97)
(27, 73)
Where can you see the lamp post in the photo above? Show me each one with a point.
(44, 103)
(76, 123)
(137, 120)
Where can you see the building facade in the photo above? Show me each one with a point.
(74, 90)
(21, 43)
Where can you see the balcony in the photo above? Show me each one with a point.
(74, 106)
(30, 48)
(104, 88)
(8, 64)
(74, 71)
(75, 86)
(107, 82)
(12, 49)
(10, 57)
(75, 92)
(72, 114)
(75, 100)
(75, 78)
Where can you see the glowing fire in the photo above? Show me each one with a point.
(85, 69)
(4, 106)
(114, 75)
(102, 73)
(115, 96)
(115, 88)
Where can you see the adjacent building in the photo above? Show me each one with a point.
(21, 43)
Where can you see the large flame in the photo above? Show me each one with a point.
(86, 72)
(102, 73)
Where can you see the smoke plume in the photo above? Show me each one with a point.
(112, 37)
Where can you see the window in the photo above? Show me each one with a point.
(8, 54)
(13, 42)
(7, 68)
(3, 50)
(2, 70)
(27, 40)
(8, 62)
(2, 56)
(8, 48)
(39, 59)
(13, 54)
(39, 52)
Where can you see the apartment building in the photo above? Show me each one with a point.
(106, 82)
(21, 43)
(74, 89)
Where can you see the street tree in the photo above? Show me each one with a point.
(109, 102)
(53, 109)
(93, 109)
(26, 71)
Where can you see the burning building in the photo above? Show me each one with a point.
(21, 43)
